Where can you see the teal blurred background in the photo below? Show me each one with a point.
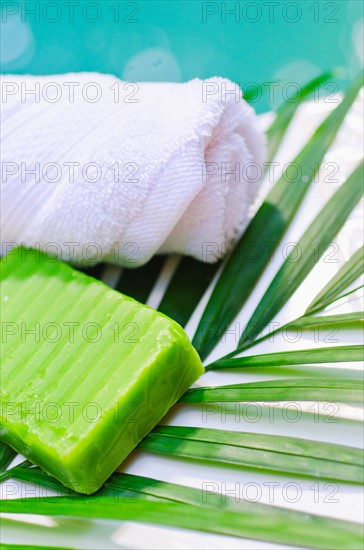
(165, 40)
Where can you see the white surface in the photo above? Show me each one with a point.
(347, 502)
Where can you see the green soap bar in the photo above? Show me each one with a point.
(86, 372)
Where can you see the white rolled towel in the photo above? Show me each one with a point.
(94, 168)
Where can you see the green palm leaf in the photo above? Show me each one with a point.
(309, 323)
(138, 283)
(286, 112)
(6, 455)
(318, 532)
(278, 525)
(267, 228)
(329, 354)
(7, 474)
(186, 289)
(310, 248)
(286, 455)
(350, 271)
(348, 293)
(38, 477)
(304, 389)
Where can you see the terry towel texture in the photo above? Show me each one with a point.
(94, 168)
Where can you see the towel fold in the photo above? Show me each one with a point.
(94, 168)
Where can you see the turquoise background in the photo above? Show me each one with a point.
(176, 40)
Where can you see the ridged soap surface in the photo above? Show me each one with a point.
(86, 372)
